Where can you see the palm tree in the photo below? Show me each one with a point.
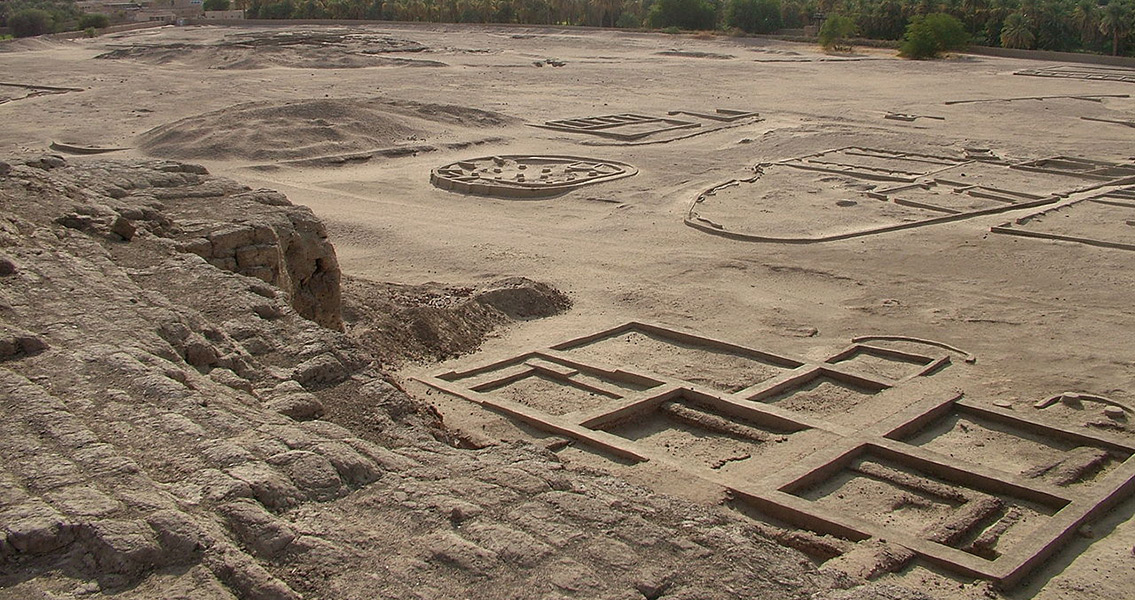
(1115, 21)
(1015, 32)
(1086, 15)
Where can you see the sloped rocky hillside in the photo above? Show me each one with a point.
(183, 418)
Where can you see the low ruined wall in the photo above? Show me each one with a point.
(1074, 57)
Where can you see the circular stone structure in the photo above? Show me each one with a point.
(516, 176)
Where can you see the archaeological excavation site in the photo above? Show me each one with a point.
(424, 311)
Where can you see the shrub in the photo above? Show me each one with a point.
(684, 14)
(30, 21)
(216, 5)
(277, 10)
(94, 21)
(930, 35)
(836, 33)
(754, 16)
(628, 21)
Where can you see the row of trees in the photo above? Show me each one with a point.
(1103, 26)
(36, 17)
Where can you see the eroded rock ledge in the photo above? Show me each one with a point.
(161, 436)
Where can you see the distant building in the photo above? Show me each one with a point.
(117, 12)
(166, 11)
(169, 11)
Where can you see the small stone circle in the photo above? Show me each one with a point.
(518, 176)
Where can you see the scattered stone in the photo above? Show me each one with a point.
(312, 473)
(511, 545)
(301, 406)
(321, 370)
(449, 548)
(257, 529)
(46, 162)
(16, 343)
(229, 378)
(123, 228)
(652, 583)
(35, 528)
(123, 546)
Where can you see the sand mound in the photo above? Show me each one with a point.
(306, 129)
(435, 322)
(329, 49)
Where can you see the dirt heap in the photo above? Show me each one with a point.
(323, 49)
(163, 432)
(309, 128)
(436, 322)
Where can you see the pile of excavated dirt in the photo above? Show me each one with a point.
(436, 322)
(311, 128)
(325, 49)
(163, 437)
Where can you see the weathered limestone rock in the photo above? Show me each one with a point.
(163, 432)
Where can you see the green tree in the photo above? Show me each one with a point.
(933, 34)
(685, 14)
(94, 21)
(1115, 21)
(753, 16)
(31, 21)
(1087, 19)
(836, 33)
(1015, 32)
(216, 4)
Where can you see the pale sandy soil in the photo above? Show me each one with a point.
(1042, 317)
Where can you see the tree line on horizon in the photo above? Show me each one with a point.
(1095, 26)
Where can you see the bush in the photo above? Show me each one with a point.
(628, 21)
(94, 21)
(836, 33)
(754, 16)
(277, 10)
(930, 35)
(30, 21)
(683, 14)
(216, 5)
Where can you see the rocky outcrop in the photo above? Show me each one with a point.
(163, 438)
(258, 233)
(276, 242)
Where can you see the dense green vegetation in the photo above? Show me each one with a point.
(37, 17)
(931, 35)
(753, 16)
(94, 21)
(1103, 26)
(836, 33)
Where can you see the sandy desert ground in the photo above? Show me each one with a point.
(351, 122)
